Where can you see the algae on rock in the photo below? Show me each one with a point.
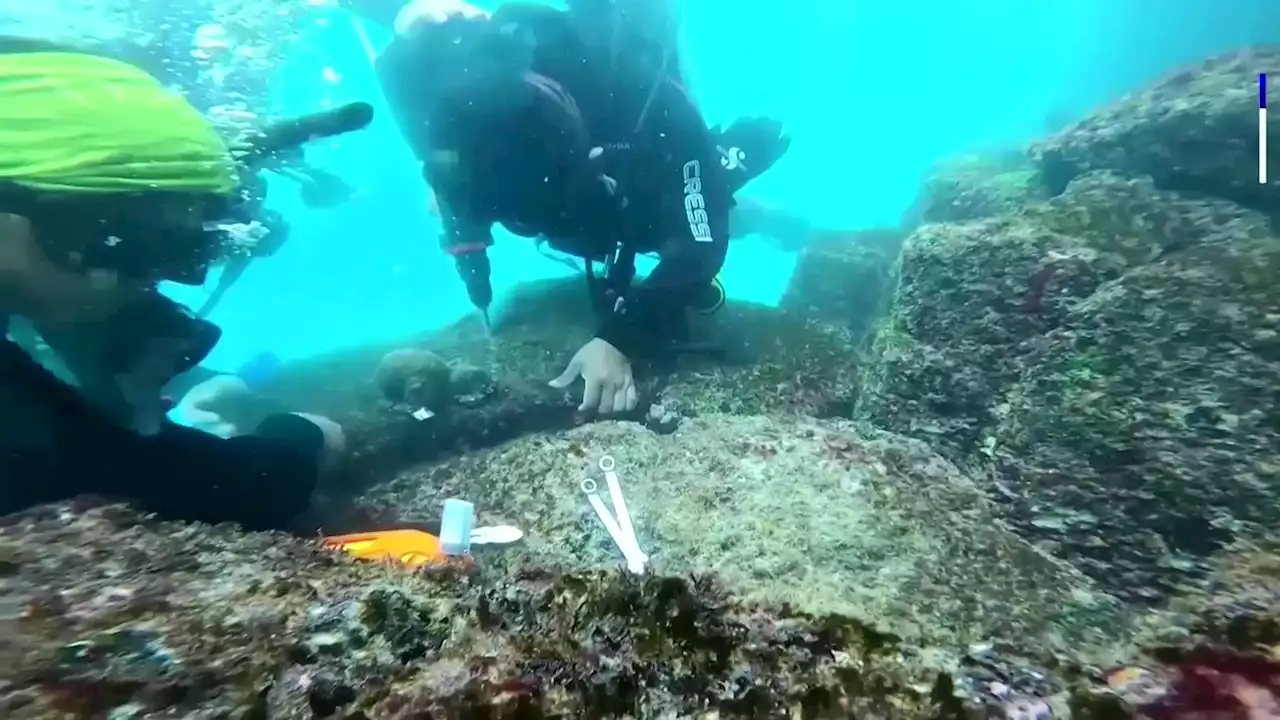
(975, 186)
(124, 617)
(1196, 130)
(1110, 356)
(815, 514)
(745, 359)
(843, 279)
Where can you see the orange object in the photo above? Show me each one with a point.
(411, 548)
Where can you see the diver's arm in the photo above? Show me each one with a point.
(55, 445)
(261, 481)
(467, 240)
(787, 229)
(685, 160)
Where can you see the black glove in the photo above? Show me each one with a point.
(749, 147)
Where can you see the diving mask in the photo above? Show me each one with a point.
(144, 236)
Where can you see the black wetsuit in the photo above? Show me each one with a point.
(54, 445)
(522, 169)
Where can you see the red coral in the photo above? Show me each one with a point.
(1218, 683)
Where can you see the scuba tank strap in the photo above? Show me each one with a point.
(596, 289)
(619, 272)
(622, 271)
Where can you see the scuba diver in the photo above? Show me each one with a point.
(259, 232)
(529, 119)
(110, 184)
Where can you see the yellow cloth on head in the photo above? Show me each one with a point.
(78, 123)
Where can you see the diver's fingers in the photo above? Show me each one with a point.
(571, 373)
(590, 394)
(633, 397)
(607, 391)
(620, 399)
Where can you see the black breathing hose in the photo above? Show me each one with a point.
(287, 135)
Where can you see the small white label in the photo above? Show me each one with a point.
(422, 414)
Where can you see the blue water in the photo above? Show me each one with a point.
(874, 93)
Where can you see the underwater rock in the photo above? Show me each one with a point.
(415, 377)
(469, 384)
(815, 514)
(761, 360)
(970, 187)
(745, 359)
(1213, 650)
(127, 617)
(1236, 605)
(1109, 358)
(1195, 130)
(845, 278)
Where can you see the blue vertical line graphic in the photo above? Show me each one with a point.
(1262, 91)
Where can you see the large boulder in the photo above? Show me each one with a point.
(973, 186)
(844, 278)
(815, 514)
(746, 358)
(1196, 130)
(1110, 358)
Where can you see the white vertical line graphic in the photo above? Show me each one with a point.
(1262, 129)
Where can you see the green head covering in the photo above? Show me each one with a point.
(79, 123)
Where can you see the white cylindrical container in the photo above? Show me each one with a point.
(456, 524)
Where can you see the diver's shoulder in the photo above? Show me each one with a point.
(540, 18)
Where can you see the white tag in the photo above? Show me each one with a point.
(422, 414)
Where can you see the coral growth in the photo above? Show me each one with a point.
(106, 617)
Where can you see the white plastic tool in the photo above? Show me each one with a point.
(496, 535)
(619, 525)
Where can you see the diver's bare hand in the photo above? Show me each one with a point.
(335, 440)
(608, 385)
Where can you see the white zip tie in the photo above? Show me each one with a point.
(620, 508)
(620, 528)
